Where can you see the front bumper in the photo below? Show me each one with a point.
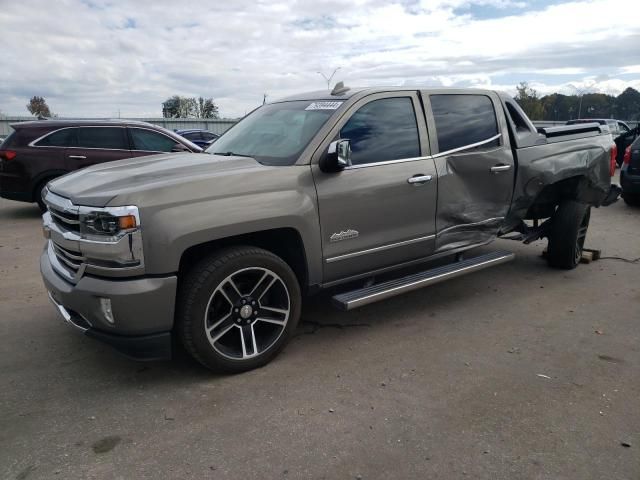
(143, 310)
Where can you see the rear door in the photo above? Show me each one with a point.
(41, 156)
(379, 211)
(469, 141)
(97, 144)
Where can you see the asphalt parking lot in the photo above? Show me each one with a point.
(516, 372)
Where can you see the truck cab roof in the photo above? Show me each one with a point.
(325, 95)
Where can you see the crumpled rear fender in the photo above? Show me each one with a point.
(576, 169)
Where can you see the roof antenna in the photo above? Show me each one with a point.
(339, 89)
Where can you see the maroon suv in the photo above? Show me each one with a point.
(39, 151)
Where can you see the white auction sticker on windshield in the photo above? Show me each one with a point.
(324, 106)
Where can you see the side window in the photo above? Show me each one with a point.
(192, 136)
(102, 137)
(151, 141)
(383, 130)
(208, 136)
(463, 120)
(622, 128)
(60, 138)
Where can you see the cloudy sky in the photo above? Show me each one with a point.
(101, 57)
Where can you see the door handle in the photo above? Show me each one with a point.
(419, 179)
(500, 168)
(79, 157)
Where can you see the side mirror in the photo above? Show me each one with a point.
(337, 158)
(178, 147)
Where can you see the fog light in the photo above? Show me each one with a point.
(105, 306)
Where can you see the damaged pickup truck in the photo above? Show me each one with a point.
(325, 189)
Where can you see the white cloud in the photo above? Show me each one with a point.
(85, 58)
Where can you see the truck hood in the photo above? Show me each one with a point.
(98, 185)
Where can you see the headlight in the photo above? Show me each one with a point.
(108, 224)
(96, 240)
(110, 238)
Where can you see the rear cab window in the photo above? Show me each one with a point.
(464, 121)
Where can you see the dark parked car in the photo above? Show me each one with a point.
(630, 174)
(622, 135)
(202, 138)
(39, 151)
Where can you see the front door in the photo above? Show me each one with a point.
(380, 211)
(475, 167)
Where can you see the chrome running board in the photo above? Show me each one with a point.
(391, 288)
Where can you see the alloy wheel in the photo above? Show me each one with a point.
(247, 313)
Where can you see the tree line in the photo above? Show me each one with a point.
(559, 107)
(189, 107)
(173, 107)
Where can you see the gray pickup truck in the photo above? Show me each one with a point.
(322, 190)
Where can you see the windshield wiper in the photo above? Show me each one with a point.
(231, 154)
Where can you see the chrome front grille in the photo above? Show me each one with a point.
(72, 255)
(65, 219)
(71, 259)
(66, 250)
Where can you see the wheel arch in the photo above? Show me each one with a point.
(285, 242)
(577, 188)
(44, 177)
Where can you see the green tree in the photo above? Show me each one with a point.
(627, 105)
(179, 107)
(38, 106)
(188, 107)
(528, 100)
(207, 108)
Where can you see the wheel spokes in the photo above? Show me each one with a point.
(277, 316)
(237, 323)
(263, 286)
(219, 323)
(248, 341)
(582, 232)
(230, 291)
(221, 328)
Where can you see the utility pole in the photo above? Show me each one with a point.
(581, 93)
(328, 79)
(264, 98)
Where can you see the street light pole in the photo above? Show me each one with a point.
(580, 107)
(328, 79)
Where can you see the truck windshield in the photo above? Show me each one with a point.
(275, 134)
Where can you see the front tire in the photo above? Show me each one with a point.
(568, 233)
(238, 308)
